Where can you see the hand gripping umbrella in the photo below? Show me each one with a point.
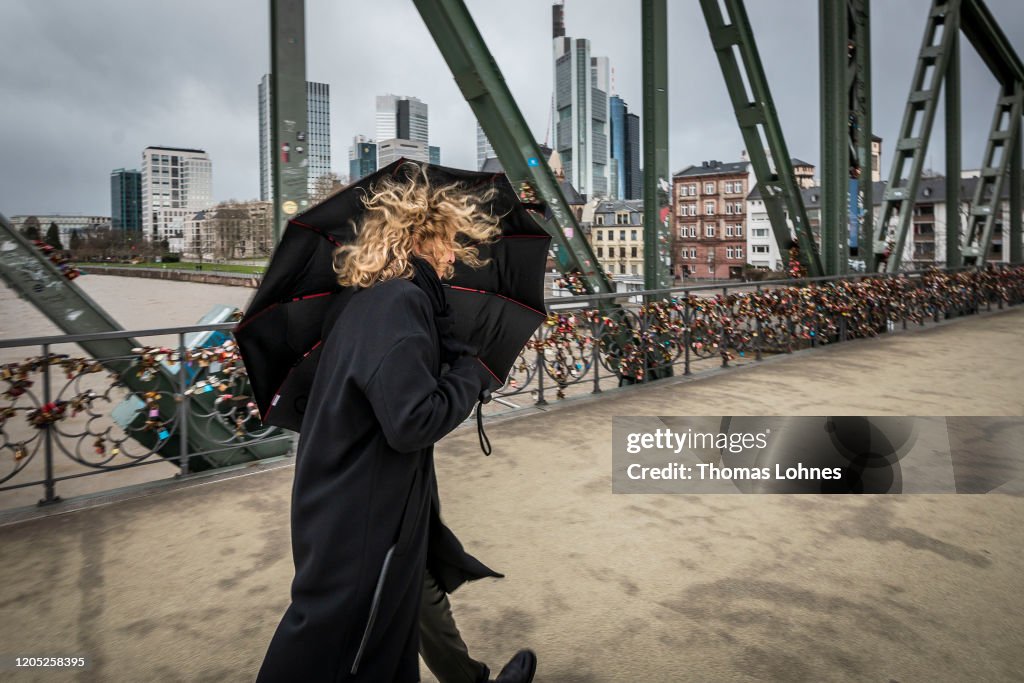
(496, 308)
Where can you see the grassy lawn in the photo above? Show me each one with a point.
(207, 266)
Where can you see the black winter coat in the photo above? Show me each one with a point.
(365, 510)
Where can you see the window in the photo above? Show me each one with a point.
(759, 232)
(632, 234)
(728, 209)
(709, 188)
(709, 231)
(728, 252)
(600, 252)
(739, 231)
(633, 270)
(693, 231)
(693, 253)
(622, 252)
(622, 218)
(693, 209)
(737, 208)
(622, 269)
(622, 235)
(600, 235)
(759, 249)
(728, 231)
(709, 208)
(682, 231)
(739, 252)
(599, 219)
(633, 252)
(728, 187)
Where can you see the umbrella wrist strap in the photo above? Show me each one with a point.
(485, 443)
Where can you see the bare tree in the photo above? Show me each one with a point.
(326, 186)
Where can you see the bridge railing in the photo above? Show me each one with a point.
(65, 418)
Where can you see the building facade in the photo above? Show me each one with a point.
(362, 158)
(624, 166)
(709, 222)
(580, 111)
(318, 136)
(66, 224)
(395, 148)
(617, 236)
(925, 245)
(484, 149)
(230, 230)
(403, 129)
(176, 183)
(126, 200)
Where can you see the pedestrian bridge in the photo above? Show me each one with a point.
(187, 579)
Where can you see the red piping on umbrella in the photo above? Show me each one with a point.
(496, 378)
(277, 394)
(278, 303)
(484, 291)
(317, 230)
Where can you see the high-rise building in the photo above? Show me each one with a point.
(126, 200)
(318, 136)
(362, 158)
(402, 129)
(484, 149)
(435, 154)
(580, 111)
(397, 148)
(625, 150)
(176, 183)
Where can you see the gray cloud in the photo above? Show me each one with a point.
(86, 86)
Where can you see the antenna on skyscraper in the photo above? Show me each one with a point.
(547, 129)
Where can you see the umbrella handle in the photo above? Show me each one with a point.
(485, 443)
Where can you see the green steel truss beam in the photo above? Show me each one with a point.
(734, 45)
(860, 124)
(987, 202)
(480, 80)
(909, 154)
(981, 28)
(289, 123)
(657, 185)
(954, 257)
(1015, 249)
(835, 132)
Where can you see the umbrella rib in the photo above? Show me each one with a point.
(500, 296)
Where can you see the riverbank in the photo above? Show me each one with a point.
(205, 277)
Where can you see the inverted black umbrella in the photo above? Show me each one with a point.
(496, 308)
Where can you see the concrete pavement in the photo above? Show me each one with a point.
(188, 583)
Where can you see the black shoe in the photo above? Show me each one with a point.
(520, 669)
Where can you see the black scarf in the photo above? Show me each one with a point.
(425, 277)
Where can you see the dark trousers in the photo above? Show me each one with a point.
(441, 646)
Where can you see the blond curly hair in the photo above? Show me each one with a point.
(406, 213)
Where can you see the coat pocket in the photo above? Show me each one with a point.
(374, 607)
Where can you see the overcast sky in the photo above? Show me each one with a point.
(86, 86)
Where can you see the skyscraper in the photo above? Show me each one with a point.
(402, 129)
(580, 112)
(484, 150)
(318, 136)
(362, 158)
(126, 200)
(176, 182)
(625, 150)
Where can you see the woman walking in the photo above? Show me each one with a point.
(373, 560)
